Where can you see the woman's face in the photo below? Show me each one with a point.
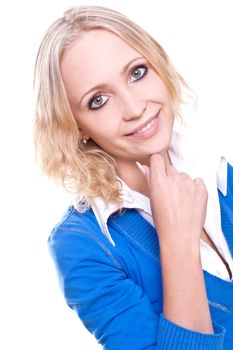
(118, 100)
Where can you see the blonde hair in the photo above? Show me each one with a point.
(86, 170)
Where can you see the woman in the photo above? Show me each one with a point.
(142, 258)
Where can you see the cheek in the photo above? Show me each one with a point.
(163, 91)
(99, 126)
(158, 88)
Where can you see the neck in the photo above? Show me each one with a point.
(129, 172)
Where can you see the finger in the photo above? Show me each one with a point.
(143, 168)
(157, 166)
(185, 176)
(199, 181)
(170, 170)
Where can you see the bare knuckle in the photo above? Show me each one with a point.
(182, 173)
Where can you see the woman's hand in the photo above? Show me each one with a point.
(179, 209)
(178, 204)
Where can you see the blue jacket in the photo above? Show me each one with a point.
(117, 291)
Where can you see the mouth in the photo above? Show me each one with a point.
(146, 128)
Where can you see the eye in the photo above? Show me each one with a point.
(138, 72)
(97, 101)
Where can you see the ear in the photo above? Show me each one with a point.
(84, 135)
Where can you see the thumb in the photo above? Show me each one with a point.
(144, 169)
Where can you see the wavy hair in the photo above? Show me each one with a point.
(85, 170)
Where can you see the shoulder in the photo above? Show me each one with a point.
(81, 252)
(74, 227)
(78, 239)
(73, 219)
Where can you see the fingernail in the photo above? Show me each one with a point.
(141, 168)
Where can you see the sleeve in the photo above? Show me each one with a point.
(111, 306)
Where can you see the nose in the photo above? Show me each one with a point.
(133, 105)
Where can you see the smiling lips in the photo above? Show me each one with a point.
(147, 129)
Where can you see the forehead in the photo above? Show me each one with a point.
(94, 57)
(97, 45)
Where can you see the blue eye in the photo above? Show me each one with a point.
(97, 101)
(138, 72)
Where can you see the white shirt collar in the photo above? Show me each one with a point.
(212, 169)
(187, 154)
(131, 199)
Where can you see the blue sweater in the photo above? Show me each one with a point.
(117, 291)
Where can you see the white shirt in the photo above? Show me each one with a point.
(197, 163)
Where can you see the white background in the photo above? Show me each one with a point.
(198, 37)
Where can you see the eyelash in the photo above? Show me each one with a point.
(141, 66)
(134, 69)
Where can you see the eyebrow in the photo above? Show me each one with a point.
(102, 86)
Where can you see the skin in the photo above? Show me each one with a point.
(130, 102)
(130, 99)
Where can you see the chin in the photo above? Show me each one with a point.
(160, 146)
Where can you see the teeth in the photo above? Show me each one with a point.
(147, 127)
